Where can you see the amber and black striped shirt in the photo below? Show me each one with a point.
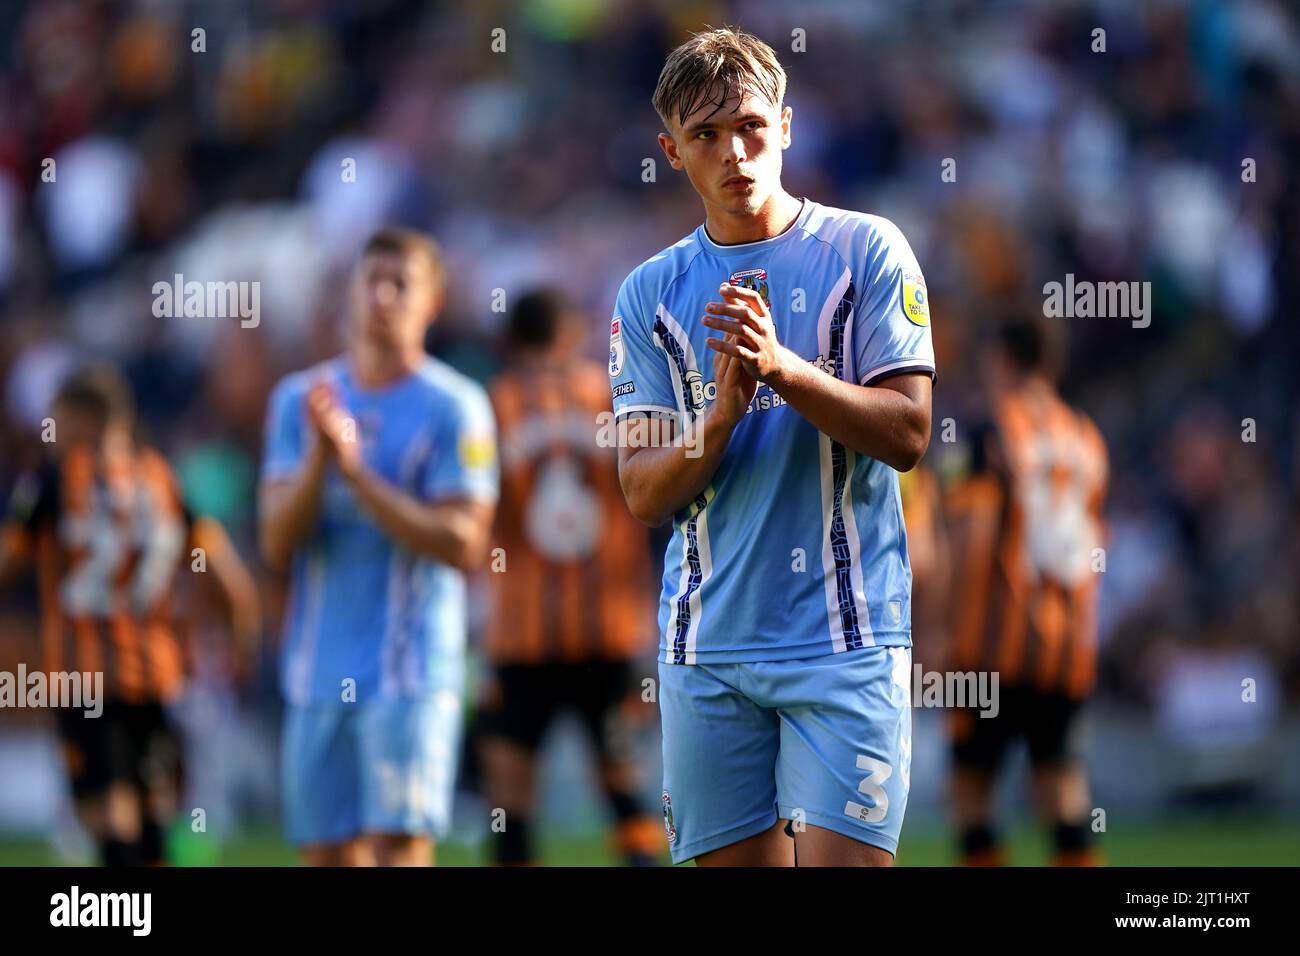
(1028, 521)
(108, 542)
(576, 584)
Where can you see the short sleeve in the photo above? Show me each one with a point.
(284, 438)
(463, 461)
(638, 369)
(892, 325)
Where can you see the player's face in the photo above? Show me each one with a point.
(732, 155)
(571, 334)
(77, 426)
(394, 298)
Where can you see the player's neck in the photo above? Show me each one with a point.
(374, 367)
(1036, 384)
(543, 359)
(116, 446)
(771, 219)
(1031, 385)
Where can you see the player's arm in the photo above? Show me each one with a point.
(659, 481)
(454, 531)
(293, 474)
(288, 508)
(455, 528)
(233, 579)
(889, 421)
(30, 505)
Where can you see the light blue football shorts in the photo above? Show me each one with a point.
(824, 742)
(386, 766)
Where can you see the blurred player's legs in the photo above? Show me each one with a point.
(1049, 723)
(347, 853)
(571, 610)
(371, 784)
(1062, 794)
(514, 719)
(409, 774)
(125, 771)
(972, 798)
(1026, 516)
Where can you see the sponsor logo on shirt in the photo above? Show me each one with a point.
(916, 301)
(701, 391)
(477, 451)
(616, 352)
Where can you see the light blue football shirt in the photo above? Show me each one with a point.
(797, 547)
(362, 606)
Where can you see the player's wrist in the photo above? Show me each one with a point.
(783, 370)
(314, 462)
(352, 468)
(727, 414)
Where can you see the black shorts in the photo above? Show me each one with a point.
(127, 743)
(1050, 725)
(525, 699)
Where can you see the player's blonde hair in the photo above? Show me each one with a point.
(407, 242)
(713, 66)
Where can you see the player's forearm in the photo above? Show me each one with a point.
(290, 509)
(455, 533)
(658, 482)
(234, 580)
(878, 422)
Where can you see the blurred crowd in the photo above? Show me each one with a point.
(263, 140)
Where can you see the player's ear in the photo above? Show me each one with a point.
(669, 146)
(786, 114)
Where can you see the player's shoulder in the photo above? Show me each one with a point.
(153, 460)
(450, 389)
(1088, 431)
(858, 234)
(646, 284)
(296, 384)
(580, 378)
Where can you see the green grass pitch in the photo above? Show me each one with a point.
(1169, 843)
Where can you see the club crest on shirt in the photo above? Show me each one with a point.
(916, 301)
(755, 279)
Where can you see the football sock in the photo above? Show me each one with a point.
(116, 853)
(1073, 846)
(979, 846)
(512, 846)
